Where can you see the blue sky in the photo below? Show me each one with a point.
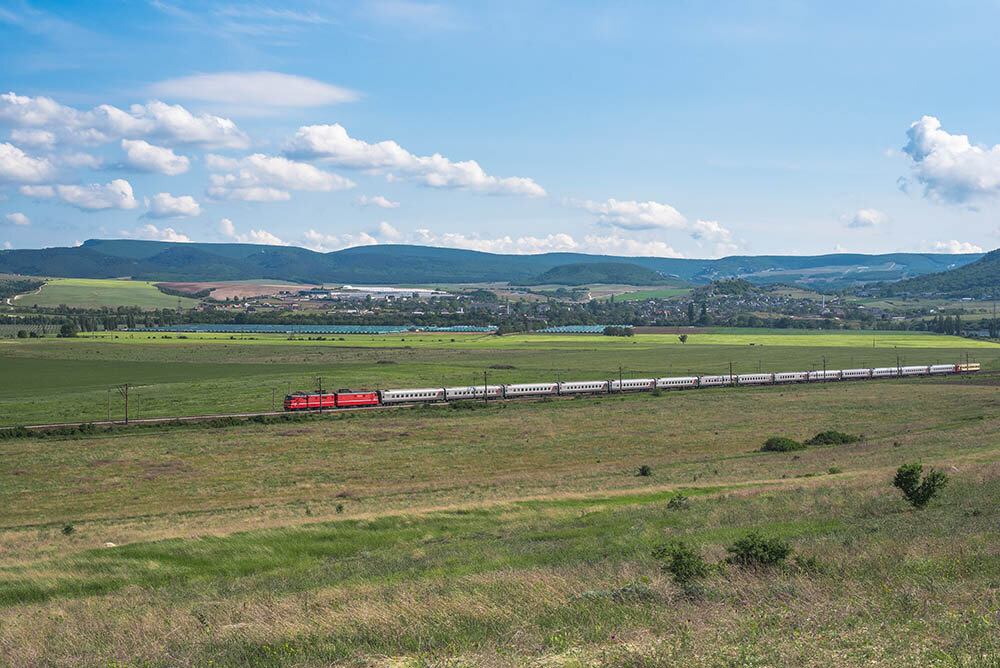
(665, 128)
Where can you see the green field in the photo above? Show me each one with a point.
(63, 380)
(513, 535)
(97, 293)
(659, 293)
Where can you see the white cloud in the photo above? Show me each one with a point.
(149, 158)
(949, 167)
(255, 88)
(96, 197)
(261, 236)
(613, 245)
(655, 216)
(324, 243)
(331, 143)
(377, 200)
(262, 178)
(79, 160)
(7, 245)
(37, 191)
(152, 233)
(42, 139)
(866, 218)
(18, 218)
(955, 246)
(633, 215)
(387, 231)
(18, 167)
(104, 123)
(165, 205)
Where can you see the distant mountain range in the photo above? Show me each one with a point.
(388, 264)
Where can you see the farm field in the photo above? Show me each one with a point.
(64, 380)
(513, 535)
(657, 293)
(97, 292)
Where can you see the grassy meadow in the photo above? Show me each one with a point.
(62, 380)
(517, 534)
(99, 292)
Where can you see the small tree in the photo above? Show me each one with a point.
(68, 330)
(22, 333)
(756, 550)
(682, 562)
(918, 492)
(683, 338)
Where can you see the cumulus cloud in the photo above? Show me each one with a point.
(170, 123)
(655, 216)
(387, 231)
(271, 89)
(261, 236)
(149, 158)
(633, 215)
(263, 178)
(18, 218)
(96, 197)
(16, 166)
(79, 160)
(331, 143)
(324, 243)
(955, 246)
(377, 200)
(40, 139)
(866, 218)
(165, 205)
(38, 192)
(152, 233)
(949, 167)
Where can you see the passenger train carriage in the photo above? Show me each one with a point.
(306, 401)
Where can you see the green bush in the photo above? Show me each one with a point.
(22, 333)
(645, 471)
(678, 502)
(756, 550)
(682, 562)
(781, 444)
(918, 492)
(832, 437)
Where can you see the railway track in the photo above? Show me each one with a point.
(248, 415)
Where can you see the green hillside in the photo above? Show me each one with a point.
(977, 279)
(395, 264)
(583, 273)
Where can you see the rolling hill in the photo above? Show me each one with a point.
(388, 264)
(976, 279)
(582, 273)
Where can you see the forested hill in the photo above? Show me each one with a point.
(387, 264)
(582, 273)
(977, 279)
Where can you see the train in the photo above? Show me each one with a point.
(311, 401)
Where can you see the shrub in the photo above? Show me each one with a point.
(645, 471)
(68, 330)
(832, 437)
(678, 502)
(918, 492)
(781, 444)
(68, 529)
(657, 392)
(755, 550)
(834, 470)
(22, 333)
(682, 562)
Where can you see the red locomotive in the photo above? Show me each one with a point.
(312, 401)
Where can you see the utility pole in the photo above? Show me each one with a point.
(486, 389)
(619, 378)
(123, 390)
(272, 399)
(109, 405)
(824, 368)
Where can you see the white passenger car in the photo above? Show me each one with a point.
(852, 374)
(584, 387)
(791, 377)
(633, 384)
(716, 381)
(829, 374)
(885, 372)
(677, 382)
(942, 368)
(914, 370)
(408, 396)
(473, 392)
(530, 389)
(754, 379)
